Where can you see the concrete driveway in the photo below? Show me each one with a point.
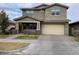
(53, 45)
(47, 45)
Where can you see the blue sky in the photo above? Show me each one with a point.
(13, 9)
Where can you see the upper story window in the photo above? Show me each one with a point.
(55, 12)
(30, 12)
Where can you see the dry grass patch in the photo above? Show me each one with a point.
(9, 46)
(28, 37)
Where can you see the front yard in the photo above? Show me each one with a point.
(28, 37)
(4, 36)
(9, 46)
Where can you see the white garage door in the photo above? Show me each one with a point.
(54, 29)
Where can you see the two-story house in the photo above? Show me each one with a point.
(44, 19)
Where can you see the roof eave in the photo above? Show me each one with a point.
(41, 5)
(22, 17)
(57, 4)
(74, 23)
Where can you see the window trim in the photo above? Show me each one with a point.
(30, 12)
(55, 11)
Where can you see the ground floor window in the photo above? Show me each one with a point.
(29, 25)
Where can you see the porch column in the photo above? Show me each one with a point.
(66, 29)
(17, 26)
(38, 25)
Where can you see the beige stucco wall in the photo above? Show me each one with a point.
(54, 29)
(38, 14)
(49, 16)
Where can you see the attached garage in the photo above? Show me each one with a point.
(54, 29)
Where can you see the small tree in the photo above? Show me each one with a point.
(3, 21)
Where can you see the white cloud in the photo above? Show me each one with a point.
(26, 5)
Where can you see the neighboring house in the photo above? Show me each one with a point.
(44, 19)
(12, 25)
(74, 28)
